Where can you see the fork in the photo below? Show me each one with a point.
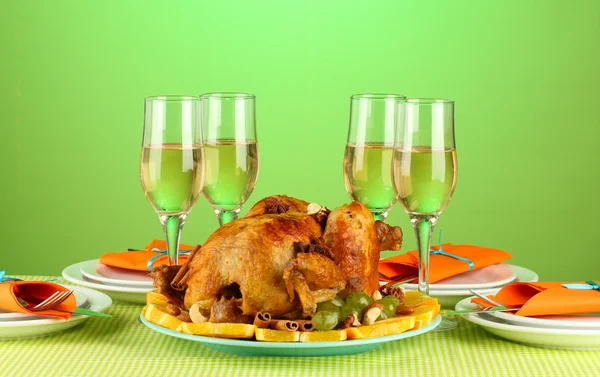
(55, 299)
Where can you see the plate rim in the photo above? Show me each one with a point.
(457, 287)
(479, 320)
(77, 278)
(110, 281)
(297, 345)
(99, 302)
(465, 292)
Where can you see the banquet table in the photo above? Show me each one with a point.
(122, 346)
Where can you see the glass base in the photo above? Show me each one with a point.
(447, 324)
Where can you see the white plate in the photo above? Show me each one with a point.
(80, 300)
(11, 330)
(135, 295)
(572, 339)
(449, 298)
(497, 282)
(100, 273)
(591, 321)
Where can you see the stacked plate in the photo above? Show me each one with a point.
(120, 284)
(576, 332)
(22, 326)
(486, 281)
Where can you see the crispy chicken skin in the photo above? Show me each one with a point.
(252, 253)
(354, 237)
(293, 205)
(283, 262)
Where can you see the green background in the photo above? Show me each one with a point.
(524, 75)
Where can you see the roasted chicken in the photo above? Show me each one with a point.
(282, 260)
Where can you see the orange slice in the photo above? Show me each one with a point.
(423, 315)
(153, 297)
(381, 328)
(416, 301)
(323, 336)
(268, 335)
(152, 313)
(218, 330)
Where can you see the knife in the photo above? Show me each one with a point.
(87, 312)
(91, 313)
(483, 310)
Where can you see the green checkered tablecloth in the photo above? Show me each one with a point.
(121, 346)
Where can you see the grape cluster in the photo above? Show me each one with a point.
(330, 314)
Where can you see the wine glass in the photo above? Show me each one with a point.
(172, 162)
(424, 170)
(368, 157)
(231, 151)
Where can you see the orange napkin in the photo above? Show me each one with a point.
(441, 266)
(139, 260)
(538, 299)
(34, 292)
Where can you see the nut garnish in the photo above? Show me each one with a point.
(313, 208)
(376, 296)
(350, 321)
(195, 314)
(404, 310)
(394, 291)
(172, 309)
(370, 313)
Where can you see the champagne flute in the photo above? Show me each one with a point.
(368, 157)
(172, 162)
(231, 151)
(424, 170)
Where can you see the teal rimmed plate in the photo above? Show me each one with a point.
(294, 349)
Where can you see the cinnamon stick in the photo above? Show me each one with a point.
(305, 325)
(262, 320)
(283, 325)
(179, 282)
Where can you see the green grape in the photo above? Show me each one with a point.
(347, 310)
(338, 301)
(329, 306)
(325, 320)
(383, 315)
(389, 306)
(393, 298)
(359, 300)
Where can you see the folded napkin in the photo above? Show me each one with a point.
(536, 299)
(453, 260)
(34, 292)
(153, 255)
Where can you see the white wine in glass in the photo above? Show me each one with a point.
(369, 150)
(172, 162)
(424, 170)
(425, 179)
(172, 177)
(367, 176)
(232, 172)
(228, 121)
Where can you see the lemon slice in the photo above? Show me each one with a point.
(152, 313)
(218, 330)
(268, 335)
(381, 328)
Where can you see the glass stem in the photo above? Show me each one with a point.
(423, 225)
(225, 216)
(172, 226)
